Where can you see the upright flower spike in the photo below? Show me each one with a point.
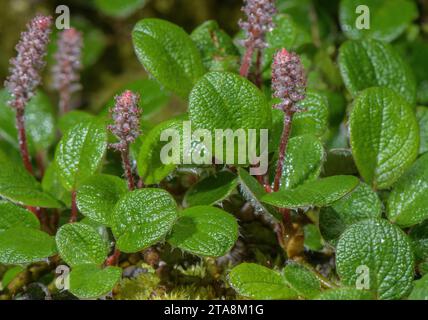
(66, 71)
(126, 127)
(25, 74)
(259, 21)
(288, 79)
(289, 85)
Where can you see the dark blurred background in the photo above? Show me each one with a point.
(109, 59)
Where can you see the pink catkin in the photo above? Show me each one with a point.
(259, 21)
(126, 127)
(126, 116)
(289, 85)
(66, 71)
(26, 66)
(288, 79)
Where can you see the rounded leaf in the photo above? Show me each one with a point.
(17, 185)
(39, 121)
(168, 53)
(360, 204)
(258, 282)
(372, 63)
(407, 202)
(318, 193)
(384, 136)
(313, 117)
(142, 218)
(211, 190)
(89, 281)
(80, 243)
(97, 196)
(345, 294)
(80, 152)
(204, 231)
(381, 250)
(22, 245)
(302, 280)
(12, 216)
(223, 100)
(303, 161)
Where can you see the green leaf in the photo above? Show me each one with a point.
(119, 8)
(39, 122)
(89, 281)
(223, 100)
(72, 118)
(17, 185)
(383, 250)
(422, 116)
(204, 231)
(302, 280)
(313, 117)
(9, 275)
(80, 152)
(384, 136)
(150, 166)
(211, 190)
(80, 243)
(258, 282)
(168, 53)
(216, 47)
(303, 161)
(420, 289)
(345, 294)
(23, 245)
(313, 240)
(51, 184)
(318, 193)
(142, 218)
(360, 204)
(97, 196)
(387, 19)
(252, 191)
(407, 203)
(419, 236)
(371, 63)
(12, 216)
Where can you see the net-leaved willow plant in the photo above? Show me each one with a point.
(364, 206)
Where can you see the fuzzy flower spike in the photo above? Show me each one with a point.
(126, 127)
(66, 72)
(289, 85)
(259, 21)
(25, 74)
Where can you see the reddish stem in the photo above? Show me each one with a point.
(22, 139)
(127, 167)
(246, 62)
(113, 259)
(64, 100)
(288, 117)
(74, 210)
(259, 78)
(40, 161)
